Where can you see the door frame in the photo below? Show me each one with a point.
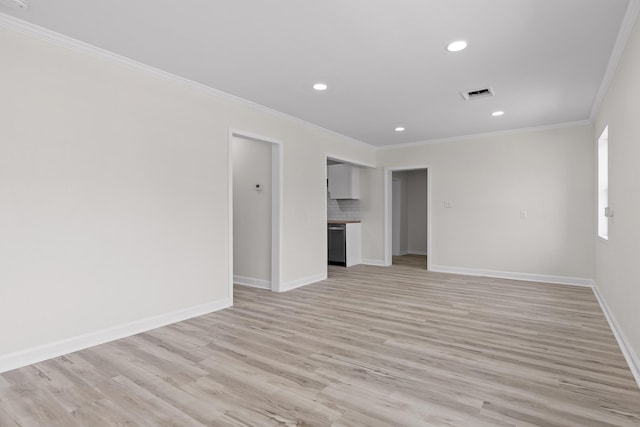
(388, 191)
(396, 185)
(276, 204)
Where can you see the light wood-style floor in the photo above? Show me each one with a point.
(410, 260)
(371, 346)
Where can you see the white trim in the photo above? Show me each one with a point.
(250, 281)
(230, 214)
(325, 216)
(302, 282)
(529, 277)
(277, 208)
(627, 351)
(633, 9)
(412, 252)
(253, 136)
(374, 262)
(388, 176)
(462, 138)
(402, 252)
(55, 349)
(16, 24)
(349, 161)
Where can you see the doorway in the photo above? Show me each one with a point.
(407, 222)
(255, 206)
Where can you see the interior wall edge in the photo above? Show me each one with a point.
(44, 352)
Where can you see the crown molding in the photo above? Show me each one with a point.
(19, 25)
(629, 20)
(24, 27)
(486, 135)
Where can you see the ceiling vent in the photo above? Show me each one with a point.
(476, 94)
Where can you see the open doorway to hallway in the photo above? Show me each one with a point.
(252, 212)
(409, 218)
(255, 215)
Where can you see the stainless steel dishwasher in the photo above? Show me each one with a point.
(337, 242)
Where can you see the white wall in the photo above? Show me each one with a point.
(372, 211)
(489, 180)
(251, 209)
(401, 206)
(417, 211)
(404, 209)
(113, 195)
(396, 216)
(113, 192)
(616, 261)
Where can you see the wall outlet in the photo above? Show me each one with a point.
(523, 215)
(447, 204)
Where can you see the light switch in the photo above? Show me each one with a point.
(447, 204)
(523, 214)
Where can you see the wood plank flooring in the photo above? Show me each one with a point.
(410, 260)
(371, 346)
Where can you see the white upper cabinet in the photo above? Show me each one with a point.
(344, 181)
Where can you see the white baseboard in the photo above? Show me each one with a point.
(302, 282)
(254, 283)
(559, 280)
(374, 262)
(412, 252)
(627, 351)
(26, 357)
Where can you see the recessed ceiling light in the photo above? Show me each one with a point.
(399, 129)
(497, 113)
(320, 86)
(457, 46)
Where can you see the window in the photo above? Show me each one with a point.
(603, 184)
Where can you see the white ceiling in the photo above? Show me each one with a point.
(384, 61)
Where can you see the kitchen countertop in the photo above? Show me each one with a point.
(346, 221)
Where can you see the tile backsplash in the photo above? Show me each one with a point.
(343, 210)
